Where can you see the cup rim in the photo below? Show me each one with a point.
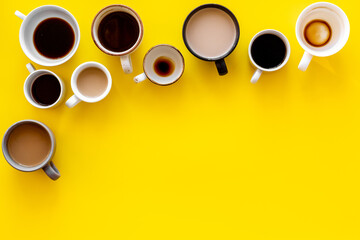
(283, 38)
(182, 61)
(54, 62)
(330, 51)
(128, 51)
(75, 75)
(18, 166)
(227, 11)
(30, 99)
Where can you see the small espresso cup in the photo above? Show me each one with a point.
(91, 82)
(211, 32)
(29, 26)
(117, 30)
(43, 88)
(29, 145)
(337, 31)
(269, 50)
(163, 65)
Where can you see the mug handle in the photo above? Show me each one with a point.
(140, 78)
(256, 76)
(126, 63)
(72, 102)
(20, 15)
(30, 68)
(51, 171)
(305, 61)
(221, 67)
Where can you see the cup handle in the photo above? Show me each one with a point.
(256, 76)
(20, 15)
(72, 102)
(126, 63)
(221, 67)
(305, 61)
(51, 171)
(140, 78)
(30, 68)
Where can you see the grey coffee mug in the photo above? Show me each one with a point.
(47, 165)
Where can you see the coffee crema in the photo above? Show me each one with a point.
(211, 33)
(164, 66)
(29, 144)
(54, 38)
(46, 89)
(92, 82)
(317, 33)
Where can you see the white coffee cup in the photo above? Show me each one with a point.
(125, 58)
(32, 20)
(260, 69)
(35, 74)
(78, 96)
(162, 51)
(340, 30)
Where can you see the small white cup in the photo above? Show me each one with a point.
(340, 30)
(32, 20)
(125, 58)
(260, 69)
(35, 74)
(78, 96)
(162, 50)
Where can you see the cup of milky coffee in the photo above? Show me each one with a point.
(90, 82)
(49, 35)
(211, 32)
(117, 30)
(322, 30)
(28, 146)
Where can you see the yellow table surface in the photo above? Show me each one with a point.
(209, 157)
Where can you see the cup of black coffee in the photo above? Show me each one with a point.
(269, 50)
(117, 30)
(43, 88)
(211, 32)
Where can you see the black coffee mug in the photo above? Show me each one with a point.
(211, 32)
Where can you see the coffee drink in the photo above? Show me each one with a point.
(29, 144)
(268, 51)
(164, 66)
(92, 82)
(317, 33)
(46, 90)
(118, 31)
(54, 38)
(211, 32)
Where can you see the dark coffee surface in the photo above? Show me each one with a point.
(46, 90)
(164, 67)
(54, 38)
(118, 31)
(268, 51)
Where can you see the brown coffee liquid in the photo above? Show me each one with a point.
(164, 67)
(317, 33)
(29, 144)
(92, 82)
(46, 90)
(118, 31)
(54, 38)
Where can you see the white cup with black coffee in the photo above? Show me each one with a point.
(322, 30)
(43, 88)
(269, 50)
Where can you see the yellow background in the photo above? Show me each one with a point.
(207, 158)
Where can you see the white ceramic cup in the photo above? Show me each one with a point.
(340, 30)
(162, 50)
(78, 96)
(35, 74)
(125, 58)
(32, 20)
(260, 69)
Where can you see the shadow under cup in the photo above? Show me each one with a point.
(211, 32)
